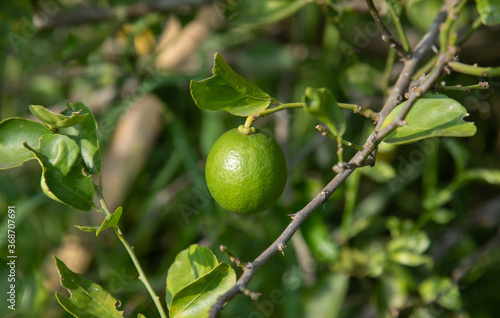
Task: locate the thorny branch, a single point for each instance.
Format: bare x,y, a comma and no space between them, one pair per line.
400,87
386,34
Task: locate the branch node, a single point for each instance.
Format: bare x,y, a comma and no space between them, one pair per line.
253,295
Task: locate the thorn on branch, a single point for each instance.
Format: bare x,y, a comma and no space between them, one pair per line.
281,248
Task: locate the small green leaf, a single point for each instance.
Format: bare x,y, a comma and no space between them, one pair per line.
62,176
254,13
489,11
227,90
195,299
85,134
320,103
110,220
87,299
430,116
15,131
189,265
54,120
85,228
442,291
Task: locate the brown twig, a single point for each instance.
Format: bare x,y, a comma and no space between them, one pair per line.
90,15
386,34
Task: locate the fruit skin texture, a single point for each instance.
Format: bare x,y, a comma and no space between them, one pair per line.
246,174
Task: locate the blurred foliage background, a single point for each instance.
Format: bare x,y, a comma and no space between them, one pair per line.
415,236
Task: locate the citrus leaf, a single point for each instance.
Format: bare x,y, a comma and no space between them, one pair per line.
227,90
195,299
254,13
87,299
85,134
189,265
54,120
62,177
13,132
110,220
489,11
430,116
86,228
320,103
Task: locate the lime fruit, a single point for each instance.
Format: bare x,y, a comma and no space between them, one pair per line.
246,173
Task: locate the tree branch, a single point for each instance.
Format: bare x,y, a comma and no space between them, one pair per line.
386,34
89,15
359,159
410,65
281,241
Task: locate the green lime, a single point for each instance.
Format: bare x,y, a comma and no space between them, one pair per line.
246,173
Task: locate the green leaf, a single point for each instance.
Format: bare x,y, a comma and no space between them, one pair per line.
110,220
195,299
15,131
62,176
489,11
189,265
87,299
320,103
54,120
85,134
227,90
442,291
85,228
430,116
408,248
326,298
254,13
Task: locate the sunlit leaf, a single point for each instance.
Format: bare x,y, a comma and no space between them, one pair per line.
189,265
227,90
87,299
110,220
430,116
54,120
62,176
195,299
15,131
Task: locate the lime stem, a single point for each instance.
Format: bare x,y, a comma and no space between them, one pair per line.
480,86
250,119
474,69
142,275
360,110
